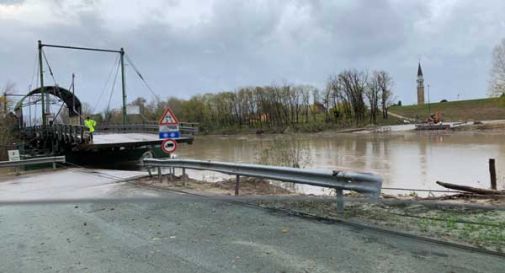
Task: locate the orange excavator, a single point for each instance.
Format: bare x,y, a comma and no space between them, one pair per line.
435,118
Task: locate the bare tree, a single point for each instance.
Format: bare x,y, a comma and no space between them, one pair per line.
7,121
5,102
372,93
353,84
497,79
385,84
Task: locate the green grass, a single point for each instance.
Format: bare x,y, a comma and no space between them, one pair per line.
480,109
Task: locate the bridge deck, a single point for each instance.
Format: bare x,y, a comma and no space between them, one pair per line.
118,138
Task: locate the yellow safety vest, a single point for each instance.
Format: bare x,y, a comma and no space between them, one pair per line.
90,124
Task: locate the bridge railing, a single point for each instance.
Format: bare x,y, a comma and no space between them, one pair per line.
190,128
186,128
75,134
128,128
338,180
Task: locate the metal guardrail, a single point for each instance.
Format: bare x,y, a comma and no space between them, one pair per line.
338,180
33,161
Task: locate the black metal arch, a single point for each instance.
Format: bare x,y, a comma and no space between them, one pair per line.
71,101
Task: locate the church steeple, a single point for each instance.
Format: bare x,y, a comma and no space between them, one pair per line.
420,85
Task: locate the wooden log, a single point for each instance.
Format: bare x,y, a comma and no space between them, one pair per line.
468,188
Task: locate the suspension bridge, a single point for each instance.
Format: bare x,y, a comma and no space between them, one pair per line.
61,131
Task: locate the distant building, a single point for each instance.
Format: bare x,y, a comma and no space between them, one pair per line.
420,85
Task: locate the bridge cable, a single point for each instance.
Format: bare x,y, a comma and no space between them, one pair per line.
112,88
156,96
114,65
52,76
34,73
49,67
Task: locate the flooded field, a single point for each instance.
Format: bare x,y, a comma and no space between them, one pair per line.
413,160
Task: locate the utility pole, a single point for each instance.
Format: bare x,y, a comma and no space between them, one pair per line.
42,85
72,86
121,52
429,106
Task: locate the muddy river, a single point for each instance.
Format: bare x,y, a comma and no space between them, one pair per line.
412,160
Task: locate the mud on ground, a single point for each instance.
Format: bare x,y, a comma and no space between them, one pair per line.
248,186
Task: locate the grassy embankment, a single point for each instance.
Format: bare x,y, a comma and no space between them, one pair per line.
315,125
463,110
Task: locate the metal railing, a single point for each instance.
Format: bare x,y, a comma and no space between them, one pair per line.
190,128
75,134
186,128
33,161
338,180
70,133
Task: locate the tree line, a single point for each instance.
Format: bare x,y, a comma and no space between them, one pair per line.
351,97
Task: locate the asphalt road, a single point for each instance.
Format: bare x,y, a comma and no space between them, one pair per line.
191,234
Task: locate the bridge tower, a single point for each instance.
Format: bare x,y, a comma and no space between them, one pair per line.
420,85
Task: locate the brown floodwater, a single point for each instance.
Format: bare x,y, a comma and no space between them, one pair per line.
413,160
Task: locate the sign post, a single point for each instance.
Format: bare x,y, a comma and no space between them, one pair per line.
169,125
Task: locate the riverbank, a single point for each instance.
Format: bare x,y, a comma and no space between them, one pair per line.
394,124
454,219
315,126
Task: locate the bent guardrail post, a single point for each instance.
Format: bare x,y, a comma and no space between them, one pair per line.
339,180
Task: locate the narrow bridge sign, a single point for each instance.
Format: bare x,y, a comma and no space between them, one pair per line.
169,125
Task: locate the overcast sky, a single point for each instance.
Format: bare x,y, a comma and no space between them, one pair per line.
187,47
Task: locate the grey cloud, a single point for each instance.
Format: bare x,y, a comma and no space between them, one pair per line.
259,42
11,2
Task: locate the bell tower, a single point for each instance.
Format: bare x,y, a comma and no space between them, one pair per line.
420,85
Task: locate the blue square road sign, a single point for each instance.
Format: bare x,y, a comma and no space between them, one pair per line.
174,135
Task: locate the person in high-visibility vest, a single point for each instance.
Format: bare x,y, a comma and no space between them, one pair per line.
91,126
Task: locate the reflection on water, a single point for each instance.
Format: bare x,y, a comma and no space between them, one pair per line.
404,160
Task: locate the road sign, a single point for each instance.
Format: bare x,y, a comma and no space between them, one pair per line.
133,110
169,128
169,135
168,145
168,118
169,125
13,155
